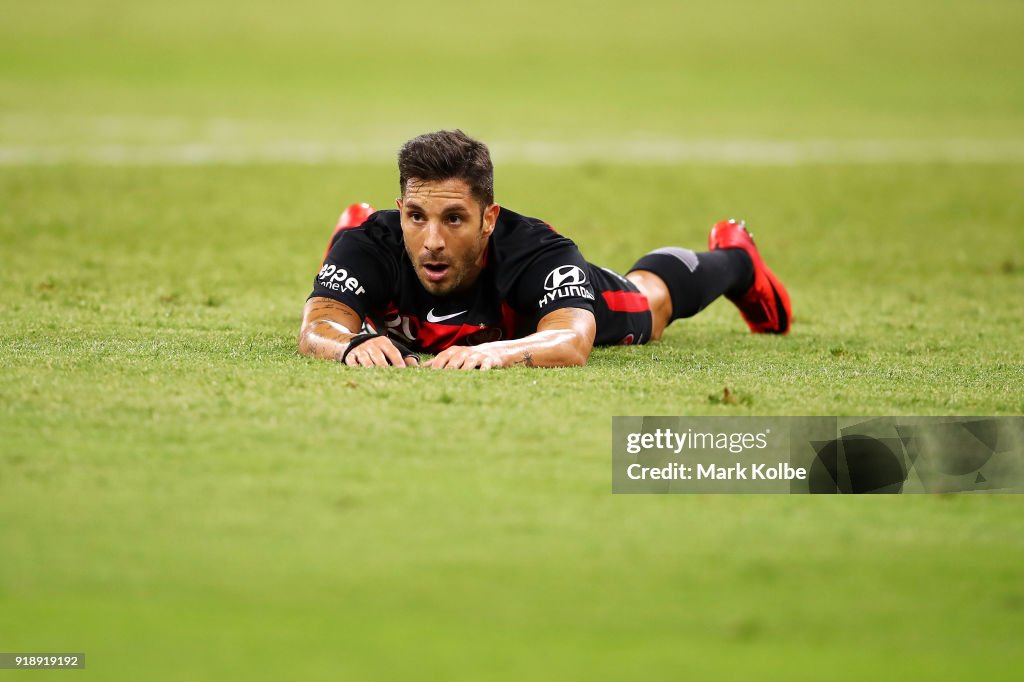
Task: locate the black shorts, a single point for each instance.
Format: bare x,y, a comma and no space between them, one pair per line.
623,313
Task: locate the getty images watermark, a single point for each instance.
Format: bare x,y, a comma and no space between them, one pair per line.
817,454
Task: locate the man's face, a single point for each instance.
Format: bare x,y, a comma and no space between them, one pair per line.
445,231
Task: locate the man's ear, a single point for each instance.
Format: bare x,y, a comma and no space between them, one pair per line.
490,219
398,203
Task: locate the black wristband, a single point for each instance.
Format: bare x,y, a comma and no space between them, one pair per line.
363,338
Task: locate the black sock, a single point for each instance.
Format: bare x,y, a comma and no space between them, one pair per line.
696,279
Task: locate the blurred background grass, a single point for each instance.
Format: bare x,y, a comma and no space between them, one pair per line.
328,71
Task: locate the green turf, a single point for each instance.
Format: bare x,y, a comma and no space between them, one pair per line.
323,69
180,490
183,497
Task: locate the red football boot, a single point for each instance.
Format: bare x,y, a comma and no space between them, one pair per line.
353,216
765,306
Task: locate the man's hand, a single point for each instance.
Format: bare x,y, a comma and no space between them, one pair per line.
378,352
563,338
466,357
327,332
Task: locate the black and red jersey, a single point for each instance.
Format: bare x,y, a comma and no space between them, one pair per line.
529,271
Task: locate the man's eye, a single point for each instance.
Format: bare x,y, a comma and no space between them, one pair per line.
455,219
417,217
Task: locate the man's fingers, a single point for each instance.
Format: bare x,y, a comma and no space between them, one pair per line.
486,362
471,361
357,358
379,353
391,353
380,357
440,360
370,357
463,358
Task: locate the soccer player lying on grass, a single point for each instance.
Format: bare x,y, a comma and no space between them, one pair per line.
452,273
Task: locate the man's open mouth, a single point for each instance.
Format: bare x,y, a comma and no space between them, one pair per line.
435,271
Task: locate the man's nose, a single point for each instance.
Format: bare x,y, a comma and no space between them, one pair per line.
434,240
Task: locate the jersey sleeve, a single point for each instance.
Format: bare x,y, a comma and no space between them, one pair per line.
550,276
357,272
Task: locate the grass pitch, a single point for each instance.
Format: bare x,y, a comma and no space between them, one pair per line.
182,496
181,492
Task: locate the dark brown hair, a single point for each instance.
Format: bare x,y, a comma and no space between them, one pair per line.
448,154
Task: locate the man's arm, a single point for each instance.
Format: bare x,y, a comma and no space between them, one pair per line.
564,338
327,328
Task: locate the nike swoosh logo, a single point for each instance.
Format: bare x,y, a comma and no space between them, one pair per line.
441,318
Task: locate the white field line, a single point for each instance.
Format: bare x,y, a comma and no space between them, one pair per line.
615,151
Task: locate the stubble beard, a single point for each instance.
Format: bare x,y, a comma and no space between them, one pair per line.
456,280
